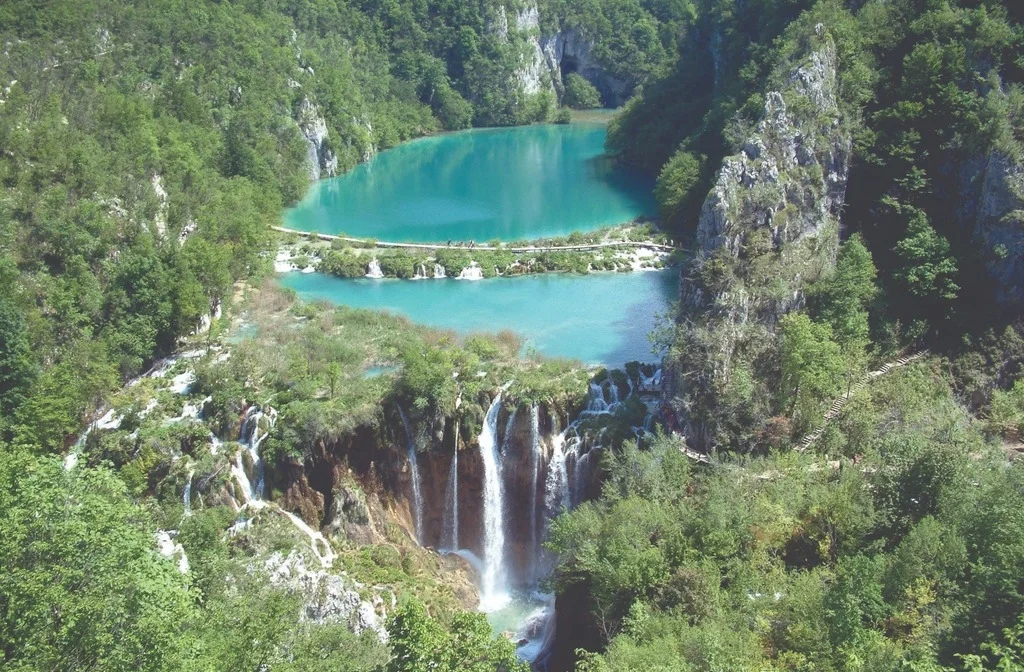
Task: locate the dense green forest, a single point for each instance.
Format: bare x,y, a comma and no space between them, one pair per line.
146,148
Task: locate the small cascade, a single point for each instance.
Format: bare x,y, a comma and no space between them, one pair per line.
439,272
450,529
250,438
186,497
535,462
373,270
493,594
472,272
421,272
414,468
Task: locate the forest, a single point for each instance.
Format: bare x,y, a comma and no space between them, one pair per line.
147,147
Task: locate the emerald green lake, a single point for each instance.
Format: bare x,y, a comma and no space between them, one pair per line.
602,318
480,185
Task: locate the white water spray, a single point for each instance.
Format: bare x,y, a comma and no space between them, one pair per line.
373,270
493,592
472,272
186,497
535,460
450,533
414,468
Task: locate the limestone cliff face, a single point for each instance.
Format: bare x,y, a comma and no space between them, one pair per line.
769,224
550,55
992,193
320,159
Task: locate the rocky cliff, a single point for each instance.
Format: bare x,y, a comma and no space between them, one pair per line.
992,191
551,55
320,159
768,226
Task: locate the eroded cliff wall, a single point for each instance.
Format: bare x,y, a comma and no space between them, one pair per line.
768,226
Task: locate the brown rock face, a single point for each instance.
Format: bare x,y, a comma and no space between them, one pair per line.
360,484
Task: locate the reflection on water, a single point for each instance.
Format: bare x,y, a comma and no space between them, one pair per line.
508,184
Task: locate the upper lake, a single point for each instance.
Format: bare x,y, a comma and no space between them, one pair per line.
480,185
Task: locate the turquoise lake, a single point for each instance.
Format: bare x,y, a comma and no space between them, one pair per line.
602,318
480,185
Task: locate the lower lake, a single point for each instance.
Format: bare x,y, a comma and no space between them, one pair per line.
601,318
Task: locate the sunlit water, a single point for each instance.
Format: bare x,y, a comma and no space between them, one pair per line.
601,318
508,184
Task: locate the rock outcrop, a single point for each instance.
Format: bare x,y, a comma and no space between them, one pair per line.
328,597
992,193
548,56
768,226
320,159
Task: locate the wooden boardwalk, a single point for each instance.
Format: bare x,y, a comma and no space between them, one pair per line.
485,248
840,403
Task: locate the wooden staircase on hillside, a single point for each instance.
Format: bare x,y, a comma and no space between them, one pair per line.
837,406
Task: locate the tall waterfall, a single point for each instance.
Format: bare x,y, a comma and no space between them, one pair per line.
535,460
493,592
414,467
450,528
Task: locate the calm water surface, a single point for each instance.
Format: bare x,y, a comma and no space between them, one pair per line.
602,318
508,184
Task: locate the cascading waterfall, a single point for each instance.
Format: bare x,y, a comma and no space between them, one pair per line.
186,497
250,438
373,270
439,272
493,592
414,468
472,272
450,531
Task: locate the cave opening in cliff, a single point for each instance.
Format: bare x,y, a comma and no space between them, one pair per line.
568,65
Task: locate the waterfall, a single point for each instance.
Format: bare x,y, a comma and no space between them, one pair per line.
421,272
250,438
509,427
556,487
472,272
535,460
493,594
373,270
450,531
414,468
438,272
186,497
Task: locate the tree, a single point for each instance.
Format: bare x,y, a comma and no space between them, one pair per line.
579,93
678,187
17,369
927,268
419,642
812,366
82,587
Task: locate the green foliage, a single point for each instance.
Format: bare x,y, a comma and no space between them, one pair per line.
678,188
812,367
418,642
901,559
928,269
1006,411
82,587
579,93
